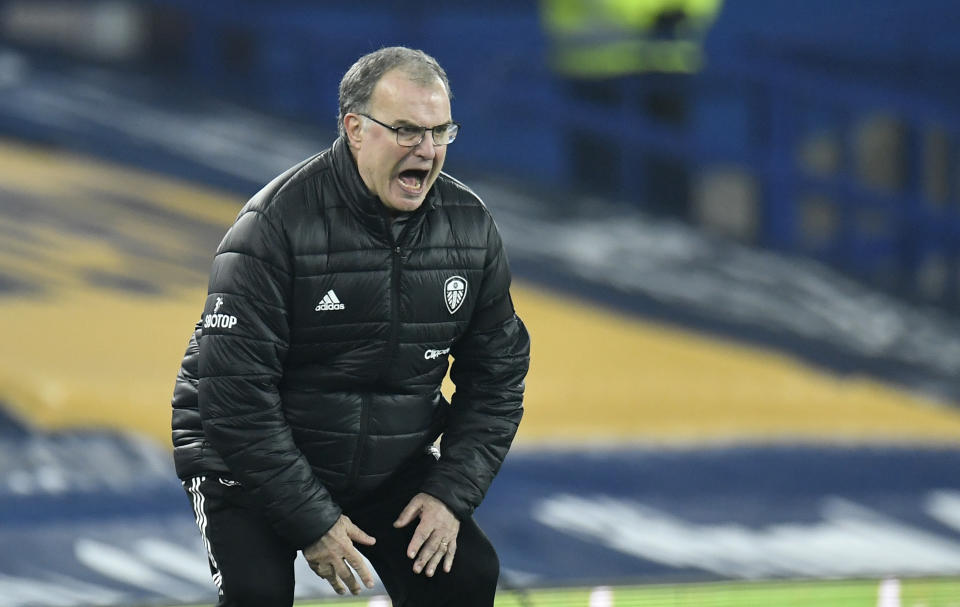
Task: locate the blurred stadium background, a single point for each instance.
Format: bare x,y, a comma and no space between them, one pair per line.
734,228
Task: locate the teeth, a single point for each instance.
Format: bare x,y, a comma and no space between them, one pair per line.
412,181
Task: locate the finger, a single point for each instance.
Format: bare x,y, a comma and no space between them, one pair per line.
345,573
448,557
408,513
418,540
360,567
429,550
334,582
357,534
435,560
330,575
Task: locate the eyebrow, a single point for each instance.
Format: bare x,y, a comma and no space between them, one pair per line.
400,122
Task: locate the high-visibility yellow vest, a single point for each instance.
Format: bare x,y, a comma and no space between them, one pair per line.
604,38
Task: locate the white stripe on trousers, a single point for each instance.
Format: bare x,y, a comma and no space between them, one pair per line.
198,501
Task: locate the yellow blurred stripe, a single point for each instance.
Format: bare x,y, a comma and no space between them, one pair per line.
63,176
598,375
88,358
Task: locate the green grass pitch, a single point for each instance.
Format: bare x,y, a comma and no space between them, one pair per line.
936,592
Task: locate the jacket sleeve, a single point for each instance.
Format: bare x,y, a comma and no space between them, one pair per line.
490,363
242,350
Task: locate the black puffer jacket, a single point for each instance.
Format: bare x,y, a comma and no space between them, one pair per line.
324,340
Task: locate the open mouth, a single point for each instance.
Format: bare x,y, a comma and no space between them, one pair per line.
412,180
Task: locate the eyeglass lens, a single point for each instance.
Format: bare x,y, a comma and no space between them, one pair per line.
442,135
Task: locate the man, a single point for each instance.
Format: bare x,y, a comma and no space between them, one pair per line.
308,401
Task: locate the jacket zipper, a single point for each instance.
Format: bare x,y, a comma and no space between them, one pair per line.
395,303
392,347
361,436
397,259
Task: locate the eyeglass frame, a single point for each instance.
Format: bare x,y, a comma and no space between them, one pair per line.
423,131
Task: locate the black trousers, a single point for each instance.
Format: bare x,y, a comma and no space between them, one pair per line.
252,566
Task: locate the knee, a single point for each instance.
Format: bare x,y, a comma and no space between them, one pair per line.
484,571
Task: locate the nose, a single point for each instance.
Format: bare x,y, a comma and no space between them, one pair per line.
426,148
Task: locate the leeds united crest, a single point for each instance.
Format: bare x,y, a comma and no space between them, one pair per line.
454,292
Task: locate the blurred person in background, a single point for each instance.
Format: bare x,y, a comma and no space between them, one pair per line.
628,57
308,402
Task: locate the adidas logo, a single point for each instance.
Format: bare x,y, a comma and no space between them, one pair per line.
330,301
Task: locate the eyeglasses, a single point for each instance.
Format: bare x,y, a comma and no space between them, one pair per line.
412,136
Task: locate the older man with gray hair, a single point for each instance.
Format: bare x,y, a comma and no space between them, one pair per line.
308,421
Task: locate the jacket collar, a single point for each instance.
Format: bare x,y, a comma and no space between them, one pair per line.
358,198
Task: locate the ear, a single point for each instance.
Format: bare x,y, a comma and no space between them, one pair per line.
353,126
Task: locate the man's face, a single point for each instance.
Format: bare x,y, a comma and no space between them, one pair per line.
399,176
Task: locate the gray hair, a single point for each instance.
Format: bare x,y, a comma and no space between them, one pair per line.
358,83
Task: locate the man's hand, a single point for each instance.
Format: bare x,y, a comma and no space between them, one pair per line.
333,556
435,538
